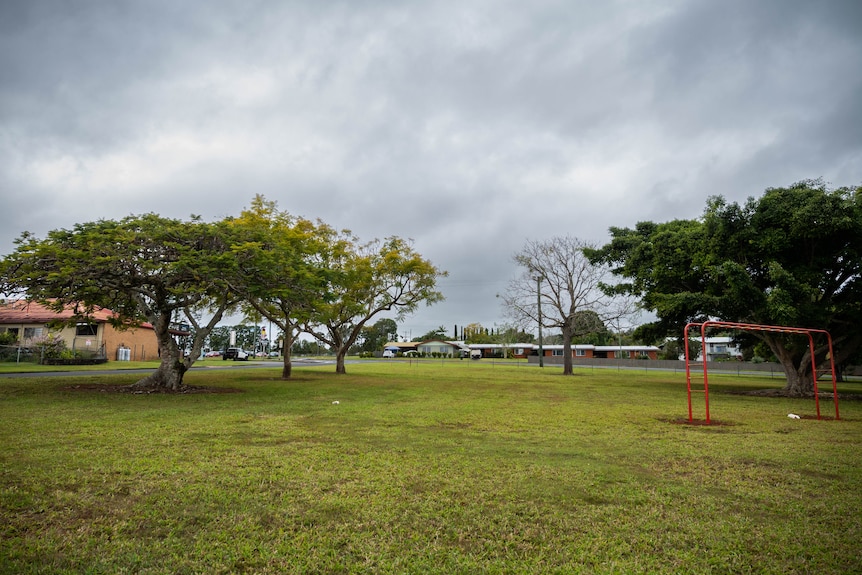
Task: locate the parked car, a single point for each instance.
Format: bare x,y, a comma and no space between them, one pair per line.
388,353
235,353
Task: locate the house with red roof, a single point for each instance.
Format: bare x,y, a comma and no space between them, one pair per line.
32,323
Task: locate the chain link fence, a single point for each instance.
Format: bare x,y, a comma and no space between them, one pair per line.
51,355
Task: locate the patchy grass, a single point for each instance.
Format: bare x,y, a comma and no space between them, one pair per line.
424,467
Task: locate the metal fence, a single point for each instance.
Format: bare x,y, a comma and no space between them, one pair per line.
37,354
737,367
19,354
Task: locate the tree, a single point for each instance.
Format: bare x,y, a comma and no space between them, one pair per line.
570,285
366,280
439,333
144,268
792,257
280,272
374,337
219,338
475,333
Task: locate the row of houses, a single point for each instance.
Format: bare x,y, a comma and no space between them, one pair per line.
521,350
717,348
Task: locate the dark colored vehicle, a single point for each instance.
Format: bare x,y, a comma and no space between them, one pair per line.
235,353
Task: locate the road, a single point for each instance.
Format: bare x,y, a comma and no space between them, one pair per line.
146,370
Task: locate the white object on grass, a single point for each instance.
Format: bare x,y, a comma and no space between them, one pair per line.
335,403
793,416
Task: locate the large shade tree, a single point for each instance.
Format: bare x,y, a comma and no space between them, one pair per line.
792,257
556,273
366,280
144,268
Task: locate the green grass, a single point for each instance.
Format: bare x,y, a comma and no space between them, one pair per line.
434,467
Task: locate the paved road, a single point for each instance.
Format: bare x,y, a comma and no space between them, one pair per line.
146,370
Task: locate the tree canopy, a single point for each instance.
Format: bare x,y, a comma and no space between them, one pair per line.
299,274
280,274
366,280
144,268
791,257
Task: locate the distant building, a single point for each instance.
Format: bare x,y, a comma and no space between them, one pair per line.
586,351
721,347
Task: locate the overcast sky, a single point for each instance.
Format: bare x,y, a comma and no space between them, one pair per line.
468,126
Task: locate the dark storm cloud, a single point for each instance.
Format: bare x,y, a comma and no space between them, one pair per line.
467,126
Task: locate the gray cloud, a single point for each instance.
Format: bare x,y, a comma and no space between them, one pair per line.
467,126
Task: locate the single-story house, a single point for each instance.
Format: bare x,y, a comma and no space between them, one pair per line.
604,351
721,347
443,348
32,322
516,350
402,346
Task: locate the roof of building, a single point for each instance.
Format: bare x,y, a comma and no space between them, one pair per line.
23,311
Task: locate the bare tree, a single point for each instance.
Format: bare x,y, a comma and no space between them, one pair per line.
556,273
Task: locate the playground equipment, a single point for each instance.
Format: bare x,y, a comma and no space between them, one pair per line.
757,327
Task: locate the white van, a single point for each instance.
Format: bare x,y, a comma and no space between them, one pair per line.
388,353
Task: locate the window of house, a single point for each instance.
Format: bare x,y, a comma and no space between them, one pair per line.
580,352
32,332
86,329
620,354
558,352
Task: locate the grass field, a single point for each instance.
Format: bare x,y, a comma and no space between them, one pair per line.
459,467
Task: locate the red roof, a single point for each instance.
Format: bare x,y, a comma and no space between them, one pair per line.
23,311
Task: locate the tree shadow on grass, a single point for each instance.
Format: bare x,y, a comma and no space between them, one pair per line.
123,388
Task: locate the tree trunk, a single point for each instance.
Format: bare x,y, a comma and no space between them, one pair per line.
797,370
339,360
287,348
287,367
169,375
567,352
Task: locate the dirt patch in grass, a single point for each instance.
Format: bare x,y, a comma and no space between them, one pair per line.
117,388
711,422
783,394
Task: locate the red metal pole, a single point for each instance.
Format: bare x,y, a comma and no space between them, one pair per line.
688,371
705,368
814,373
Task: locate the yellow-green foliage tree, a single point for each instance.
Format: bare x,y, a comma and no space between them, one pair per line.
366,280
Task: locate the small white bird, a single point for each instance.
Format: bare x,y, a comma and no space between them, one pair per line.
793,416
335,402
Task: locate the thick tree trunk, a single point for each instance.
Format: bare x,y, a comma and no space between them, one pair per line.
172,369
168,377
798,384
797,371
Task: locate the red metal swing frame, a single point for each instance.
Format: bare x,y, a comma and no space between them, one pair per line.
756,327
